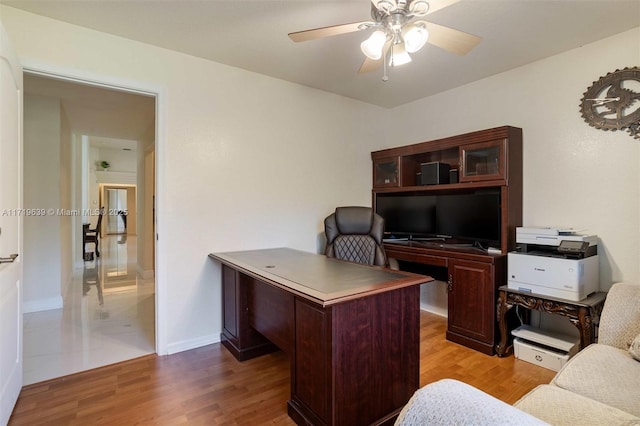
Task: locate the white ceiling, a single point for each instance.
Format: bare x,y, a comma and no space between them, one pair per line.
253,35
116,119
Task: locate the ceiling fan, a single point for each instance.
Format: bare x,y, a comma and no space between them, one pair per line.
398,31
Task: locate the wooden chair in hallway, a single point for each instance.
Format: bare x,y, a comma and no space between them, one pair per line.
92,235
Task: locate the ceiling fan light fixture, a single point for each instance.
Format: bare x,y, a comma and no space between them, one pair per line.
386,6
415,37
372,47
419,7
399,55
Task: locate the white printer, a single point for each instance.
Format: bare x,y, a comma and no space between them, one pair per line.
555,262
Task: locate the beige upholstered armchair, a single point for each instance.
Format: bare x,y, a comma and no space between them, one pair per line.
600,385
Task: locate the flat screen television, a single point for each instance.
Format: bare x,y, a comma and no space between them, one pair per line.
472,216
407,215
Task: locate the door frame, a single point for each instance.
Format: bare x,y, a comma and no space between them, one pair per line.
148,89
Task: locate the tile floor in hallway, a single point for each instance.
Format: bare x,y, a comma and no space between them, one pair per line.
108,317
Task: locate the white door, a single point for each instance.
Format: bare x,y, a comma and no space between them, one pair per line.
10,228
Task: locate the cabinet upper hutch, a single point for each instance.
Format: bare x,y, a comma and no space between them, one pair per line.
487,160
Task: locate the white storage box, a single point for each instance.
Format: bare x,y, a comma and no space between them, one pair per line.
539,355
545,348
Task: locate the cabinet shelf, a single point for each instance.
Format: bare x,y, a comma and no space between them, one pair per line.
484,159
487,159
446,187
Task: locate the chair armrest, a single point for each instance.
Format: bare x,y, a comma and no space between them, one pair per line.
620,319
451,402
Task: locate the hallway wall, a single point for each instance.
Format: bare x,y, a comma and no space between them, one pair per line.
46,191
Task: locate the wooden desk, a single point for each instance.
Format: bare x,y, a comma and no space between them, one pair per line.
582,313
352,332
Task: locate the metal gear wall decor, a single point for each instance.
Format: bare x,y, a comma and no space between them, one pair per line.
613,102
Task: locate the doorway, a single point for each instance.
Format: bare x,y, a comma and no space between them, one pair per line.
120,209
99,294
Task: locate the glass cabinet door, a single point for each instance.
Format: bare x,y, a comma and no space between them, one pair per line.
385,172
482,161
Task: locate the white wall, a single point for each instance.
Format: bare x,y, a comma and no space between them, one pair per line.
66,188
146,238
145,188
93,196
574,175
119,160
249,161
42,255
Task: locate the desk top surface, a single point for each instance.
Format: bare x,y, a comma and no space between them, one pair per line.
317,277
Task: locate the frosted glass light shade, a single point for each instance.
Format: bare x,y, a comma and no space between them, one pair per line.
414,37
399,56
372,47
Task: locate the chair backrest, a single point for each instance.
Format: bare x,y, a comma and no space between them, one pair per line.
620,318
99,223
355,234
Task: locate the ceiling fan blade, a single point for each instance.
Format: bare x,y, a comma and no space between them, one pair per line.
436,5
373,64
327,31
370,65
449,39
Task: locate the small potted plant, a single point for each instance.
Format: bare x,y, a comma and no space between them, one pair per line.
105,165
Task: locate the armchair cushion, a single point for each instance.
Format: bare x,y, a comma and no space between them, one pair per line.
562,407
451,402
603,373
620,319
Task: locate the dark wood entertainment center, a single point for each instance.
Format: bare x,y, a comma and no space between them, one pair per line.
487,159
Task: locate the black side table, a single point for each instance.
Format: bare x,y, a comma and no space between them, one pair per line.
583,314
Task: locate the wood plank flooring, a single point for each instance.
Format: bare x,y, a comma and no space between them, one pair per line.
207,386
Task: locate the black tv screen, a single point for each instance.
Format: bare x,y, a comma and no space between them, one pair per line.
407,215
471,216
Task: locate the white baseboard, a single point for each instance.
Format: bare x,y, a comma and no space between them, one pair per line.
186,345
434,310
149,274
42,305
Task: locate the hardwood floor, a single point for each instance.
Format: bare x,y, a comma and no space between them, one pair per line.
207,386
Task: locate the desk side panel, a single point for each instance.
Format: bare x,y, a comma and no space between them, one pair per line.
242,341
230,302
311,397
358,362
376,355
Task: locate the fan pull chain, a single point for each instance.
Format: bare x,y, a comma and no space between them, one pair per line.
385,77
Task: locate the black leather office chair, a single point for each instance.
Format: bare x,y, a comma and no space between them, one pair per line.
355,234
